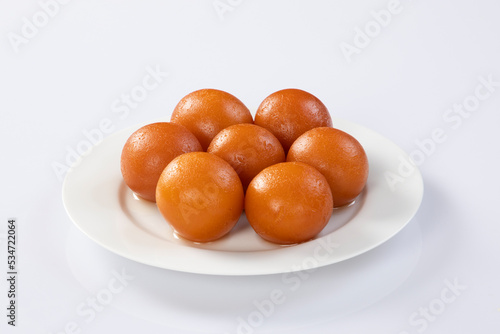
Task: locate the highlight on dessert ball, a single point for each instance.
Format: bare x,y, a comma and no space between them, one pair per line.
287,170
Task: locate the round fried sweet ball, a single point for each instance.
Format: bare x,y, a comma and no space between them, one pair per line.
248,148
338,156
289,113
200,195
149,150
288,203
206,112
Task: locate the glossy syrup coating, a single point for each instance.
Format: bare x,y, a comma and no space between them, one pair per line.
338,156
200,195
149,150
206,112
248,148
289,113
288,203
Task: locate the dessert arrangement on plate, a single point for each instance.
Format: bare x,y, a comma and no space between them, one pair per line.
287,169
213,190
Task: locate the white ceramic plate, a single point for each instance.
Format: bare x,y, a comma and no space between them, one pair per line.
102,207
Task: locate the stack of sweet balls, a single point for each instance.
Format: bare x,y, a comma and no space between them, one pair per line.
287,169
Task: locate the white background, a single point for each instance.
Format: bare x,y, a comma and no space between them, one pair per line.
64,79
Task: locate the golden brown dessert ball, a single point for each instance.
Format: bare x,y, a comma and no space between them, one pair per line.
289,113
338,156
248,149
200,195
206,112
149,150
288,203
